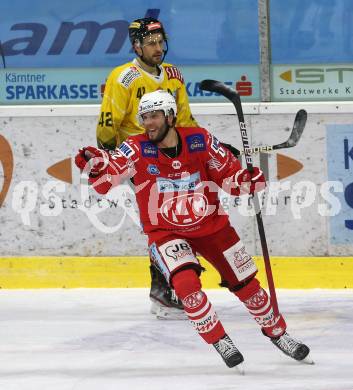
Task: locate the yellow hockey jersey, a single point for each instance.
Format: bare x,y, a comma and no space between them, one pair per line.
124,88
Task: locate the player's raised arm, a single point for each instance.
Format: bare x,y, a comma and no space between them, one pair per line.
105,170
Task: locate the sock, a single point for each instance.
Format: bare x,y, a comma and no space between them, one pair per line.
258,303
197,307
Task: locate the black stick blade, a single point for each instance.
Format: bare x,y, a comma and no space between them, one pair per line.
219,87
297,131
298,127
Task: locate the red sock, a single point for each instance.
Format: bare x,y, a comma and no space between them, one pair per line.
258,303
198,308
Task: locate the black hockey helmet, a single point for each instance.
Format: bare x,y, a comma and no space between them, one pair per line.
140,28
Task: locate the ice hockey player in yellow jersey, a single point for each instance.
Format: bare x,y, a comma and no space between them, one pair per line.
129,82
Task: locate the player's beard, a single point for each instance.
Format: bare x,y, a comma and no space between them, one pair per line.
152,63
162,134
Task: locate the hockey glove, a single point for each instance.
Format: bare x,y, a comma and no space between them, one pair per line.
92,160
249,183
102,174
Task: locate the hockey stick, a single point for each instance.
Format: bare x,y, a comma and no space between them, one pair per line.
297,131
217,86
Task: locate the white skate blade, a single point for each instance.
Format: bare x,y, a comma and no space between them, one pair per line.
308,360
154,308
240,369
169,313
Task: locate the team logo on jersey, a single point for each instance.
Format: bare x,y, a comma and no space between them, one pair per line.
188,183
213,163
196,142
127,76
149,149
176,164
153,169
185,210
126,150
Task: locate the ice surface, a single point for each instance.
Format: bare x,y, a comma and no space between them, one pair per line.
102,339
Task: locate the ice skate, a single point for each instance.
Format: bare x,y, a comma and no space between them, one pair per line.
293,348
229,353
165,304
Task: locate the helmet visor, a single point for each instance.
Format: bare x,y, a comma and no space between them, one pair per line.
154,40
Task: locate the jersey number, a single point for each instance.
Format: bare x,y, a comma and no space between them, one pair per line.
106,119
140,92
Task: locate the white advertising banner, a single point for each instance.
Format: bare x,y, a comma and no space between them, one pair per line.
312,82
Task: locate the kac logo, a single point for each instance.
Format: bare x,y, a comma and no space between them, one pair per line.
185,210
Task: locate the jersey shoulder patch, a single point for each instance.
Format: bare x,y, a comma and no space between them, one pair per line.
126,149
215,144
173,72
128,75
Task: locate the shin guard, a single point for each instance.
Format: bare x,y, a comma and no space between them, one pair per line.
257,301
197,307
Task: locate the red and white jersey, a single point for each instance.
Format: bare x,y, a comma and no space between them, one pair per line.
179,194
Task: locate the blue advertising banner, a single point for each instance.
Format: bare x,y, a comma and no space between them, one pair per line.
90,33
340,168
244,79
50,85
76,85
311,31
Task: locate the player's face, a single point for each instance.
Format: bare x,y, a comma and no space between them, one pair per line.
153,47
155,124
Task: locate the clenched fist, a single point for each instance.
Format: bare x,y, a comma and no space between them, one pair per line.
92,160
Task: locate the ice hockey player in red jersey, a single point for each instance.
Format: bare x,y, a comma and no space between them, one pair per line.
177,173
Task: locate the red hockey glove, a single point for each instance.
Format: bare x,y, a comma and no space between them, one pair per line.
103,182
102,174
94,161
249,183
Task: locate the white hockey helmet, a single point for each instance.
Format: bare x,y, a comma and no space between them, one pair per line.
154,101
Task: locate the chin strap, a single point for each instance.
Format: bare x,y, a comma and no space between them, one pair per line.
165,51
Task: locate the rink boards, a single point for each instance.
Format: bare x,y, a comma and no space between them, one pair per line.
46,211
133,272
55,232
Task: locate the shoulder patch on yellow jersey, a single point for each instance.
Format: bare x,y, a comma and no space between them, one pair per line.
128,75
173,73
